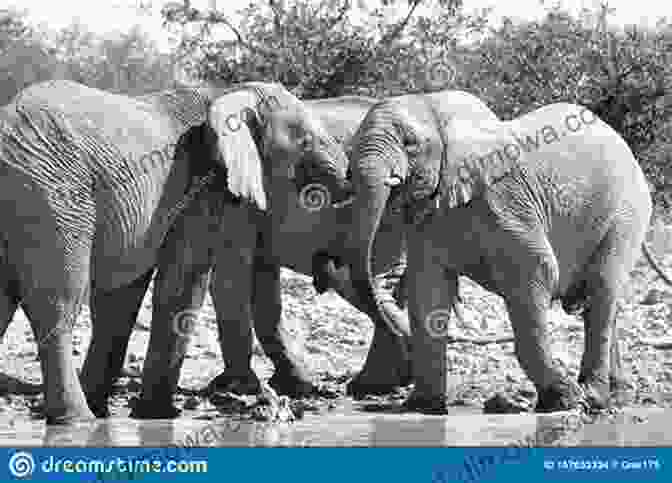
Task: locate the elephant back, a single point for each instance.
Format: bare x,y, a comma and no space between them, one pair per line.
186,107
131,124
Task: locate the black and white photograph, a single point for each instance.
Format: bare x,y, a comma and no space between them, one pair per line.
335,223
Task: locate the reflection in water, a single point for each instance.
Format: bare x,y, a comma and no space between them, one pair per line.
419,431
556,429
94,433
634,428
147,435
637,427
515,431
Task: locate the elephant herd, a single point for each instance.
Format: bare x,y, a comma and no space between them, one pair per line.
385,201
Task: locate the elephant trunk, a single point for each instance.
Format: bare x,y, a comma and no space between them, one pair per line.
368,208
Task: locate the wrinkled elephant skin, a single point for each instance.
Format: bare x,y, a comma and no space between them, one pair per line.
289,237
297,233
92,183
552,205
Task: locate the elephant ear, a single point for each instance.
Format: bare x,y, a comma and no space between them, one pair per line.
233,117
477,155
473,155
423,176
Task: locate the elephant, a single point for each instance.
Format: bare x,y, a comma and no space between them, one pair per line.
292,239
300,233
245,284
549,206
183,265
105,177
202,240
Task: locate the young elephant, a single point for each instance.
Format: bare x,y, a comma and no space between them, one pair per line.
552,205
92,182
245,284
234,241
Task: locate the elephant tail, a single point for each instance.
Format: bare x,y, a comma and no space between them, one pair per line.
655,264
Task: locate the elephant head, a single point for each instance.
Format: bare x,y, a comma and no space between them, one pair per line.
266,138
398,156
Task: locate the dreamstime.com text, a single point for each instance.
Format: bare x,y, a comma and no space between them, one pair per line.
22,464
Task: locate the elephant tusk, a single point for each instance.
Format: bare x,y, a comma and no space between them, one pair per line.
393,181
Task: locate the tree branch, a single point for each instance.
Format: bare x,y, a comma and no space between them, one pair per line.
401,25
341,15
277,14
214,17
183,13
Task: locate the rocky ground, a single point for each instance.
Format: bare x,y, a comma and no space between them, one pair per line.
336,338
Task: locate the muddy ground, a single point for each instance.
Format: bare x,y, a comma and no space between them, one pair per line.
336,337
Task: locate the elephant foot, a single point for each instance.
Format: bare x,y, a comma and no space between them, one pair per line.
247,383
99,408
294,382
562,395
597,391
387,368
621,391
426,404
143,409
619,384
369,384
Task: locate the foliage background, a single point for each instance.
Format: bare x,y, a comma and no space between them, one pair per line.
317,52
314,49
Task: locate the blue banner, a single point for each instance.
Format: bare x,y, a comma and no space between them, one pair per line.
431,465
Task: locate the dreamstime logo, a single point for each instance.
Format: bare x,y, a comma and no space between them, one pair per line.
314,197
186,325
185,322
437,323
440,73
437,72
21,464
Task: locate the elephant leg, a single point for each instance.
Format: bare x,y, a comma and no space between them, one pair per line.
113,315
292,376
619,383
432,291
231,291
533,274
52,317
52,262
601,366
529,317
180,287
595,373
618,379
386,368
